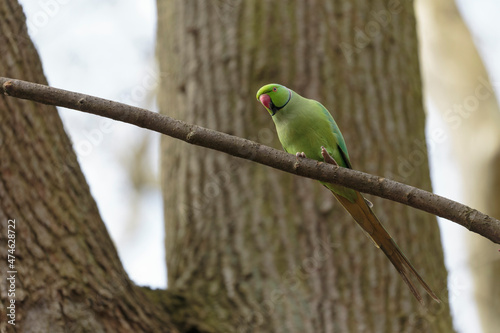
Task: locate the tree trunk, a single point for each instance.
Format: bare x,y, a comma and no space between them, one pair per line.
458,86
63,273
260,250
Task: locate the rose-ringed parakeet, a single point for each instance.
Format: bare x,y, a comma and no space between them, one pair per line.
306,128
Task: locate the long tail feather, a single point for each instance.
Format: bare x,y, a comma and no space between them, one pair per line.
364,216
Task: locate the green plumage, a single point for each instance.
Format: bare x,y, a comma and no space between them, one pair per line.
304,126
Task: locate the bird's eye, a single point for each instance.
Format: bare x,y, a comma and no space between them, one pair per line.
275,89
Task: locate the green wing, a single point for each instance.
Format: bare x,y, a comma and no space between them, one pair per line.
340,139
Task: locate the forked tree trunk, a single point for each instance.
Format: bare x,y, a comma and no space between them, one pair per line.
65,275
262,251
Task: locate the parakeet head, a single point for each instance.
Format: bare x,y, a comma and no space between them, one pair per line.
274,97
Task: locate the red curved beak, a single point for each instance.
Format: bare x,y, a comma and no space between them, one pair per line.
265,100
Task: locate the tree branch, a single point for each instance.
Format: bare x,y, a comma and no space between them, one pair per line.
470,218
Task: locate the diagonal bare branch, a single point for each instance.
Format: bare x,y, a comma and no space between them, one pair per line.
467,217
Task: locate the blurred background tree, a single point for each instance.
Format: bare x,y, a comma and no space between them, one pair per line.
457,86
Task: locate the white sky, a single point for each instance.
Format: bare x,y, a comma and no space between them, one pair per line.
106,48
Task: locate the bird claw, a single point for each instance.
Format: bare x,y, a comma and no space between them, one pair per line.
327,158
300,155
368,203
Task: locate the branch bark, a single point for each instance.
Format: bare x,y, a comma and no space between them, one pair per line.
467,217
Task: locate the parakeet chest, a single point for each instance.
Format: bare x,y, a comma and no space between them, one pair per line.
304,132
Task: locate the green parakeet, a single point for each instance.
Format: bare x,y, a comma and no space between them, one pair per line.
306,128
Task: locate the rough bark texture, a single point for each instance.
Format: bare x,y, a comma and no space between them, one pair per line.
458,86
69,277
260,250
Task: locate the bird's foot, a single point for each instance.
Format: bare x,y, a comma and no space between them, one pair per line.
300,155
327,158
